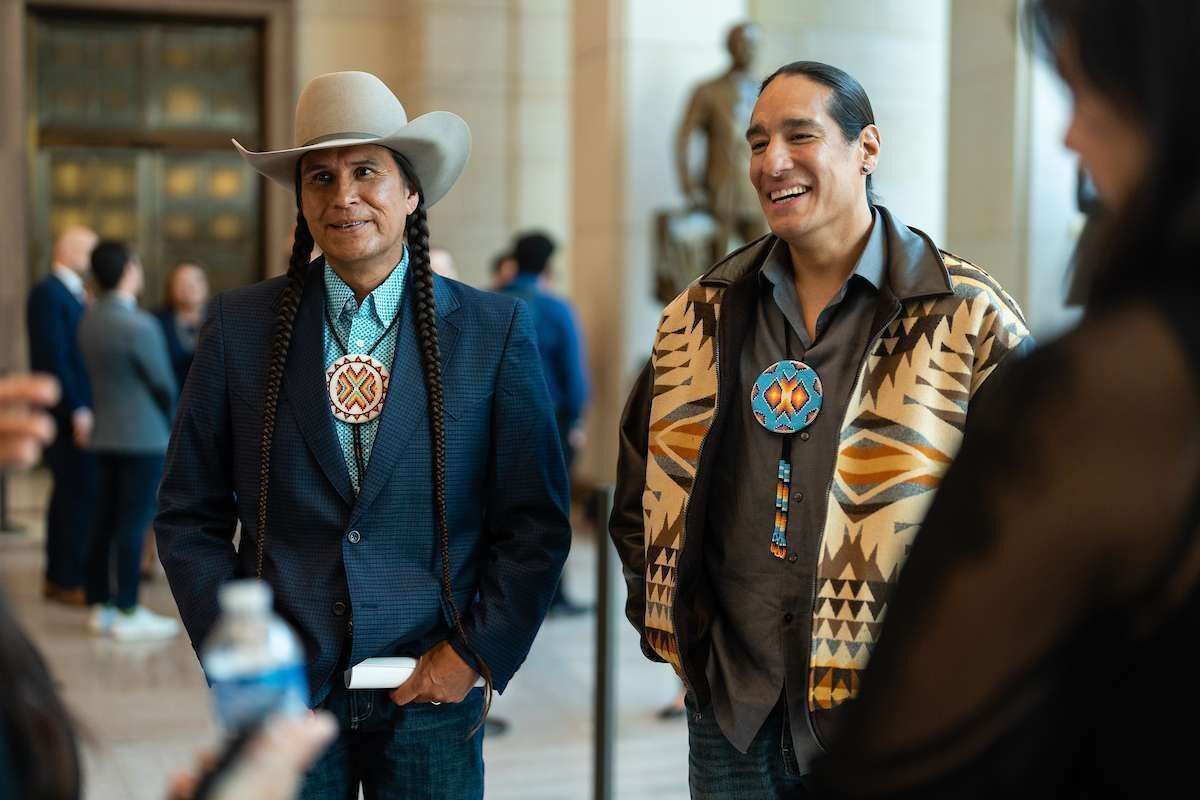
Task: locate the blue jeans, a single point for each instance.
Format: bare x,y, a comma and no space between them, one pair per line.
767,771
418,751
125,502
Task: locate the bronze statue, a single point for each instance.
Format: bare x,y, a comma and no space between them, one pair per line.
720,109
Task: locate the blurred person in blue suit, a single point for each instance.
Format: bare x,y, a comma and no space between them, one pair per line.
52,315
560,345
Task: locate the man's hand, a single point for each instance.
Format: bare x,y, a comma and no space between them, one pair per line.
25,428
441,676
82,422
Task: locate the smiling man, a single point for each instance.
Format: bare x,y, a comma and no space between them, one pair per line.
802,401
386,440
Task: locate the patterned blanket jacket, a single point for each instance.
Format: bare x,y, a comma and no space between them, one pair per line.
944,327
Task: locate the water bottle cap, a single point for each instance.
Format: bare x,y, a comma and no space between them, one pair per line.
244,595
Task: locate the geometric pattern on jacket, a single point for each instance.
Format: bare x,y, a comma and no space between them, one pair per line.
903,426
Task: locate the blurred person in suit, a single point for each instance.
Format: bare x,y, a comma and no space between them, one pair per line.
560,345
134,388
52,315
386,440
182,314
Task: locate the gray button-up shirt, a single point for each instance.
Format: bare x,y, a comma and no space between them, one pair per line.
761,631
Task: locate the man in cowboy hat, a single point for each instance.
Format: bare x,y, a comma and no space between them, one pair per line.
386,440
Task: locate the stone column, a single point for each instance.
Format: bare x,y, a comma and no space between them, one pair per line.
14,162
635,65
1011,182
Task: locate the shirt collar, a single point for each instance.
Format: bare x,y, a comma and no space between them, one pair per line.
119,299
382,303
871,266
70,279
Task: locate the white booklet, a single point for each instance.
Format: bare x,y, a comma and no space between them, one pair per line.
386,672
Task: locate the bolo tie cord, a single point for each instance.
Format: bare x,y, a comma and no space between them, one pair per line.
359,459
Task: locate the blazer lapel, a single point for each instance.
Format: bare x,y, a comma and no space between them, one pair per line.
406,409
304,379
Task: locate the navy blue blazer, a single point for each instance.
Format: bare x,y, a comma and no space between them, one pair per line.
506,494
52,316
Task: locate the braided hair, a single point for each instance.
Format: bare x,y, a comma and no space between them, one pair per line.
416,232
286,307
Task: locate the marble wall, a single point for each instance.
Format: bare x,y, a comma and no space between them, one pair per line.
1010,194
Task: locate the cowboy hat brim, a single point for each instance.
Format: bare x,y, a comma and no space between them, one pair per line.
437,145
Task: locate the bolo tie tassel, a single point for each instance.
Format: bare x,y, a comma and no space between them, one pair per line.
783,490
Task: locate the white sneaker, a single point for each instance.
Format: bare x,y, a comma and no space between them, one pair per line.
101,620
142,624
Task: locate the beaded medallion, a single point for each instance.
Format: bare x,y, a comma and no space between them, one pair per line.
785,399
357,386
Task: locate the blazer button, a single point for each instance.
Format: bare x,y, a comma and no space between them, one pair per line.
354,537
339,609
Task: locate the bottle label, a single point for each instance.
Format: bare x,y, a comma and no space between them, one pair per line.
245,700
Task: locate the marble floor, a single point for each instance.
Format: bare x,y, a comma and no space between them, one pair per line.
143,708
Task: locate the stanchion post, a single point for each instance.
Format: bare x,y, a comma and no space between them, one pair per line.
609,604
6,525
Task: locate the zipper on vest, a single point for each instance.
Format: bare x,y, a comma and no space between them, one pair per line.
812,608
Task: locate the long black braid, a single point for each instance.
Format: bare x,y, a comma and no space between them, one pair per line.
417,233
285,320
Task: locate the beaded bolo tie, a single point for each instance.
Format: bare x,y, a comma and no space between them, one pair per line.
786,399
357,385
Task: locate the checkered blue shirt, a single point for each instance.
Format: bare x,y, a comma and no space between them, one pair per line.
359,326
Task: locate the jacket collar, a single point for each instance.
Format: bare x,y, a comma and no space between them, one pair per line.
914,264
405,409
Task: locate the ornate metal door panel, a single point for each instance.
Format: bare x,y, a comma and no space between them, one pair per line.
133,121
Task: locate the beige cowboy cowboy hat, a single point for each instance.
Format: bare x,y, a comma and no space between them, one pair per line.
342,109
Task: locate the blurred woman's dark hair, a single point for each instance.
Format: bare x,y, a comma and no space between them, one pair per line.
41,759
1145,67
168,296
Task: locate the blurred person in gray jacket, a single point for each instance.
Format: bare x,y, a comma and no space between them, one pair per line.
133,386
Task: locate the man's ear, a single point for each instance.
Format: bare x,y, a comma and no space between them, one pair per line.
871,143
411,202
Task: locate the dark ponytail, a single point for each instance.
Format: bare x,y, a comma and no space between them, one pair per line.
417,232
285,320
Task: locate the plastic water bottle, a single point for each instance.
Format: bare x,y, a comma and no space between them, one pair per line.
253,659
